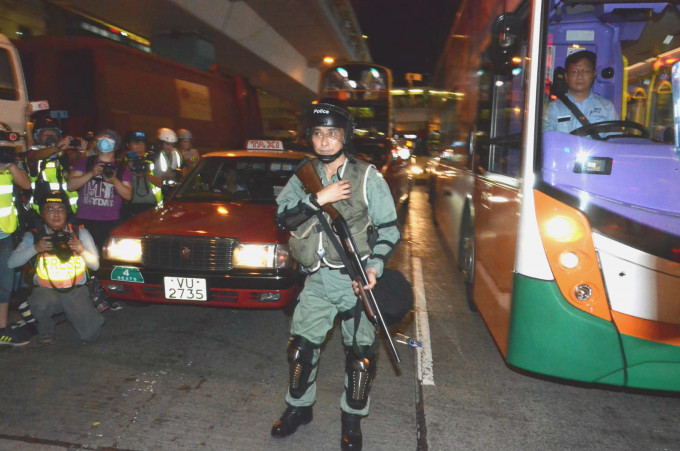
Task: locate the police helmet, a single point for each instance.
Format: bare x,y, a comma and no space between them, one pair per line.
167,135
328,115
45,123
183,133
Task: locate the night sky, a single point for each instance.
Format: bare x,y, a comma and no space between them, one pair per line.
406,35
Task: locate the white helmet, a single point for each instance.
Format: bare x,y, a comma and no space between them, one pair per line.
167,135
183,133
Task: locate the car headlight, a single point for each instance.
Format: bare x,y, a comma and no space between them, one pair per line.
248,255
124,249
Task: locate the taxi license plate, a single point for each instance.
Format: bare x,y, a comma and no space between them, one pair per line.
185,289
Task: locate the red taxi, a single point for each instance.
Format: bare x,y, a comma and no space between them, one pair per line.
214,241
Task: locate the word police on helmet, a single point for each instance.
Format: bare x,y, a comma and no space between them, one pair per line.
167,135
328,115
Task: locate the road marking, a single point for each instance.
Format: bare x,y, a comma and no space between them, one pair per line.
424,353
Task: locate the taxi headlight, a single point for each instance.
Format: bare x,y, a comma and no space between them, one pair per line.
248,255
124,249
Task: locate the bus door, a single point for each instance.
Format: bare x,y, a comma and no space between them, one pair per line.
496,217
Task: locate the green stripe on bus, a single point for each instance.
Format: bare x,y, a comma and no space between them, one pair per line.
549,336
652,365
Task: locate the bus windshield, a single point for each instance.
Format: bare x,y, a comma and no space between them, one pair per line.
607,139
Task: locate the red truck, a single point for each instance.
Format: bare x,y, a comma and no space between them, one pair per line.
102,84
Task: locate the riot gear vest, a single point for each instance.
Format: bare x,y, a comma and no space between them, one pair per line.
308,242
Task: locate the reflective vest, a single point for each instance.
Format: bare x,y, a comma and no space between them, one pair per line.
169,162
157,193
50,174
50,272
8,212
308,242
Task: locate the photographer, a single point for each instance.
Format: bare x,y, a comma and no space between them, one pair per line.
146,191
168,160
10,175
103,184
49,158
64,254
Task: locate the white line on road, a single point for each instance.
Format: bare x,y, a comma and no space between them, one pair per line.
424,353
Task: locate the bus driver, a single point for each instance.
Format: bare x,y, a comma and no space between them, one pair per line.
580,76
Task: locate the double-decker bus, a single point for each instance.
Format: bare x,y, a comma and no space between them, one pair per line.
365,90
569,243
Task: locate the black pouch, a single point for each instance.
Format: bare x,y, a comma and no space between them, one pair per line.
394,295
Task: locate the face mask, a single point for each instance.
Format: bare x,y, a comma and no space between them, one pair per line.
50,141
105,145
132,155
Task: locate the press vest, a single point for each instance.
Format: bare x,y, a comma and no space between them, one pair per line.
53,273
308,242
8,213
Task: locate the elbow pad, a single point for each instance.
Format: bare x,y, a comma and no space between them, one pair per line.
291,219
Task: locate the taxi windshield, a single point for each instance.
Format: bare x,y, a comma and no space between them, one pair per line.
237,179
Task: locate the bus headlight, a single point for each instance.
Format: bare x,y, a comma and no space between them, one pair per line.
124,249
563,229
248,255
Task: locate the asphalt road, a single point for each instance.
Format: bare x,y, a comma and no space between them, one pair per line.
194,378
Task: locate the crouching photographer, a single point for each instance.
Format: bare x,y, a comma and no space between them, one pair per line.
62,255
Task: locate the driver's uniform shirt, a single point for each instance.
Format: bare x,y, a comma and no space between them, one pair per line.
596,109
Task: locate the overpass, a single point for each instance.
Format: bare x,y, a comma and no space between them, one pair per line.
278,45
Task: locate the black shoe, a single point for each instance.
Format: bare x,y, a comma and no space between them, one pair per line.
290,420
11,337
351,432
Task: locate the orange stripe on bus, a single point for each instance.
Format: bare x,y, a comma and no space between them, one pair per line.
647,329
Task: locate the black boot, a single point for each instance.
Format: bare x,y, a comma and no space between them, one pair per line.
290,420
351,432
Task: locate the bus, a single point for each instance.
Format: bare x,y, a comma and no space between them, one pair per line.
568,243
365,90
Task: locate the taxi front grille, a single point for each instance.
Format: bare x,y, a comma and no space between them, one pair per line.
181,252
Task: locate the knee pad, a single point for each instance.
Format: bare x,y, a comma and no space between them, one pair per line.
300,358
360,371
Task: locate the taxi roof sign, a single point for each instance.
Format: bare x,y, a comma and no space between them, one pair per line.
264,144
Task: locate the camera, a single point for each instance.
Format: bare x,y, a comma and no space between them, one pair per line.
139,166
8,154
74,143
60,246
108,170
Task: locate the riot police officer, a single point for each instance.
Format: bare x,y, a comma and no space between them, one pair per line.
361,195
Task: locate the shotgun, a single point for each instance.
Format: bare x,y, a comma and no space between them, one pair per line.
312,183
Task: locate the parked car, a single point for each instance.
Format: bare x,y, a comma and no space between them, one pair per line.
214,240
